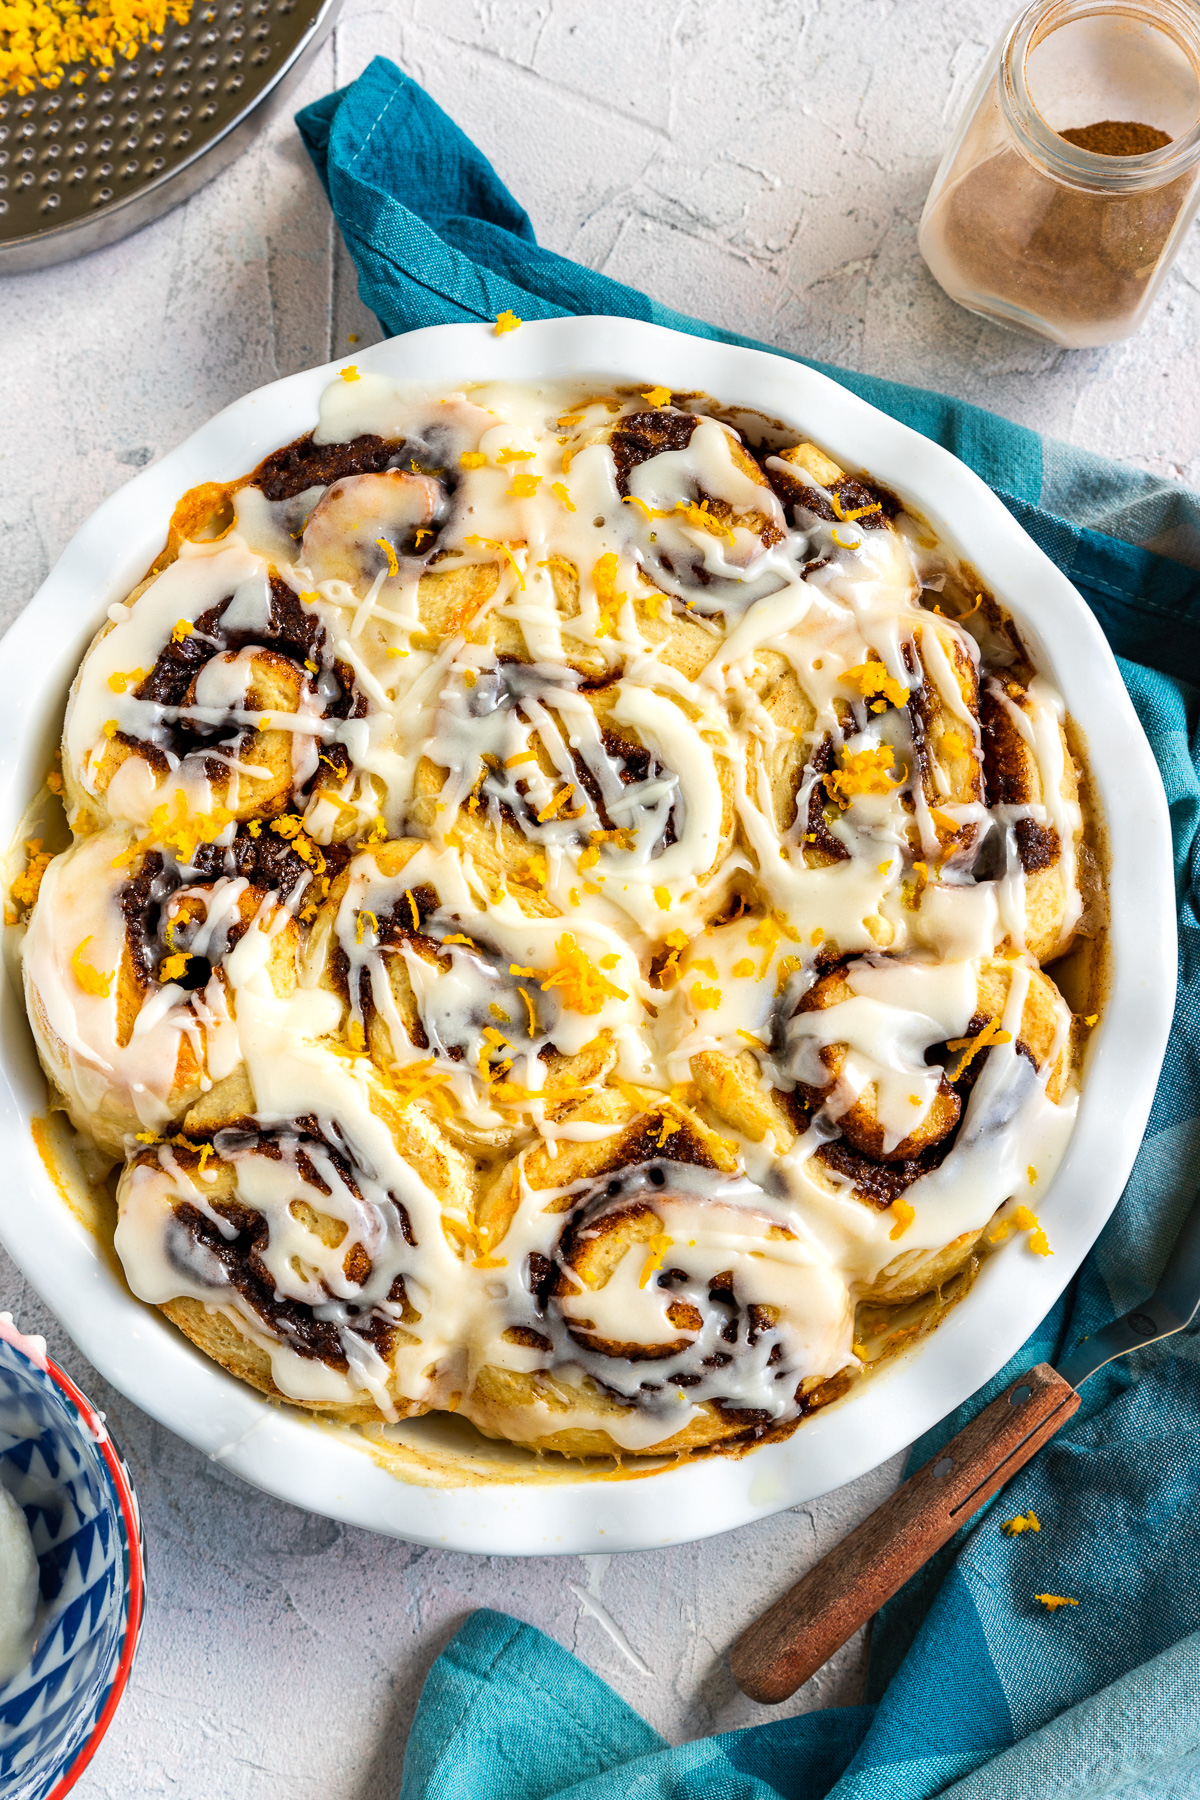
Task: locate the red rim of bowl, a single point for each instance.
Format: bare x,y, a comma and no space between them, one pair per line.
131,1520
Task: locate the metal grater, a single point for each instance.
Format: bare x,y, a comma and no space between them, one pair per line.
84,166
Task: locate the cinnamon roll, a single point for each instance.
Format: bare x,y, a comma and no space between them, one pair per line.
135,1020
556,921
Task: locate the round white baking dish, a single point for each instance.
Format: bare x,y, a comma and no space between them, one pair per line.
285,1453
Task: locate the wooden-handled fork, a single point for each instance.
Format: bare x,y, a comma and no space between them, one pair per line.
801,1631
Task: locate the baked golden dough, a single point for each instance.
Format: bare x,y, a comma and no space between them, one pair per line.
555,919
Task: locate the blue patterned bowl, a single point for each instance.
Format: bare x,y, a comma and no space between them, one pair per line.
59,1462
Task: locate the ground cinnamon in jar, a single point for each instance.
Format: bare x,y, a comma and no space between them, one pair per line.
1067,229
1116,137
1070,256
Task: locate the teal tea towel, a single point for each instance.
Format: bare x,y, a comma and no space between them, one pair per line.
975,1690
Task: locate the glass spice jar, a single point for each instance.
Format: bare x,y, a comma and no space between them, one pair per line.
1075,171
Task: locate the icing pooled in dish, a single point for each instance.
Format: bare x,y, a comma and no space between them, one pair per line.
556,915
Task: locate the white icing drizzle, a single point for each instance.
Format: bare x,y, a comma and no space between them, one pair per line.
627,747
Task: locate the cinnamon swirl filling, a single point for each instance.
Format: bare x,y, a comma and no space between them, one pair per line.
557,919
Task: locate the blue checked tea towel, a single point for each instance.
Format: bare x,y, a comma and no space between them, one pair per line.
974,1691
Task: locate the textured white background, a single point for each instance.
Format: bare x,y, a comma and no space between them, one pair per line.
761,163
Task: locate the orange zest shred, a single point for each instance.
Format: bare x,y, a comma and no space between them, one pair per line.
174,828
700,519
1022,1219
172,967
24,890
604,580
552,807
472,459
389,552
39,41
657,1248
90,979
992,1033
1023,1522
504,550
420,1081
788,966
657,396
559,490
904,1214
506,321
873,678
705,999
582,986
856,512
523,486
350,372
1053,1601
863,772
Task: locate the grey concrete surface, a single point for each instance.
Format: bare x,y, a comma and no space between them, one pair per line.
763,165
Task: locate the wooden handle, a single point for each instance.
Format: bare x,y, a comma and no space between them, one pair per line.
802,1630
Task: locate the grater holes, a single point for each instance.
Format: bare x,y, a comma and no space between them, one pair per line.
97,141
